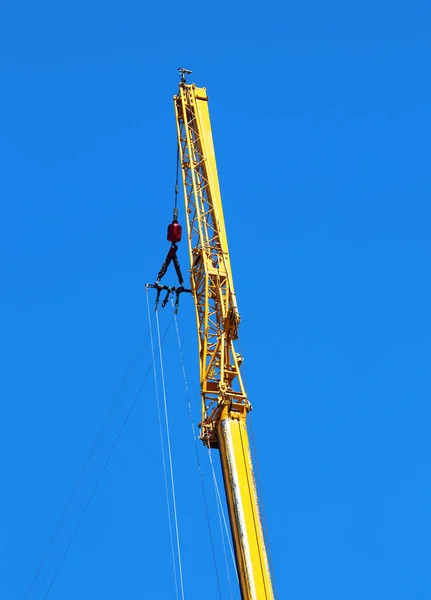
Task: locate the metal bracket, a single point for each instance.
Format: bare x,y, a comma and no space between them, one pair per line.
183,74
169,289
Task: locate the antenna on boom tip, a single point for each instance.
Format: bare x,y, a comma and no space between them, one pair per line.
183,74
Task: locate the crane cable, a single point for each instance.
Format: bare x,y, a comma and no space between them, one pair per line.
177,177
170,456
162,446
259,488
78,481
171,470
195,439
221,508
85,467
219,513
93,491
263,511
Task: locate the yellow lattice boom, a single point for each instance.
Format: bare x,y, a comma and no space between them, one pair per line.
224,400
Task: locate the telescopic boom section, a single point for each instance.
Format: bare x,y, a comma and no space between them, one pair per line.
224,401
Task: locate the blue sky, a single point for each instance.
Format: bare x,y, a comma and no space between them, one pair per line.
322,124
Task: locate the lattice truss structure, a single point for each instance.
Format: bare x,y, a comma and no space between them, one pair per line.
211,277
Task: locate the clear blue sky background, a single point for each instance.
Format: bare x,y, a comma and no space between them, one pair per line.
321,117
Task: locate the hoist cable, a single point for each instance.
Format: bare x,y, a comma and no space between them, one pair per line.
170,456
222,512
259,485
180,349
177,176
162,449
78,481
224,549
123,425
220,508
260,493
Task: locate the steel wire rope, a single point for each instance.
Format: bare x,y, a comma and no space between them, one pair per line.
250,486
177,176
162,444
220,504
97,455
219,501
174,502
259,485
263,511
192,422
123,425
224,548
78,481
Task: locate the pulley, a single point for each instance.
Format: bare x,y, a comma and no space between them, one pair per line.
174,229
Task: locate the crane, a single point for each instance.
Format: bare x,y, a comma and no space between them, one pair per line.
225,404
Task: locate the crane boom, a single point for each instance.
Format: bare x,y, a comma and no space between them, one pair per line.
224,400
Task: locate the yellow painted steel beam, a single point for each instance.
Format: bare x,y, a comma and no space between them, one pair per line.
250,551
224,400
